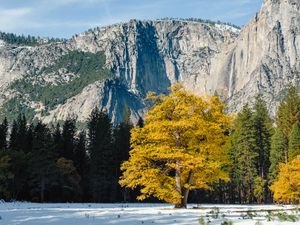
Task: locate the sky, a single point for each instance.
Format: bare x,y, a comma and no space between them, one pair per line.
64,18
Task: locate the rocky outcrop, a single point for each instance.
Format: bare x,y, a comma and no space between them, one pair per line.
262,58
265,57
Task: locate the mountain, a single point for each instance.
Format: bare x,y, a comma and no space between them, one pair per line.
114,67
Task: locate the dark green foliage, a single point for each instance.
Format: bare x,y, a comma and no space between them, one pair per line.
6,175
32,166
249,151
14,39
121,150
263,127
294,142
278,153
3,134
101,156
68,139
19,167
288,112
285,142
57,140
68,180
18,137
42,163
81,162
15,106
244,153
89,67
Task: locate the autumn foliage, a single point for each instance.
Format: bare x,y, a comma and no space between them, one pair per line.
287,187
179,149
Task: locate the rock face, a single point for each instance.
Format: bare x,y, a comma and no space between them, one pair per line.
262,58
265,57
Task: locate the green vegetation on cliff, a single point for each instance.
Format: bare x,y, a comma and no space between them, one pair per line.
88,68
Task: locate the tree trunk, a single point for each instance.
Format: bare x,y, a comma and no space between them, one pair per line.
183,191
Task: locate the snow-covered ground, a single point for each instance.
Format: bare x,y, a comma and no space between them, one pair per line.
131,214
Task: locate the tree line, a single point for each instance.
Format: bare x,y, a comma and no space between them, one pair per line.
180,142
257,148
62,164
187,145
29,40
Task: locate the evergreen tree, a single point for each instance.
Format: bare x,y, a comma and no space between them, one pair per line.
3,134
69,180
17,147
263,127
279,145
18,137
28,139
122,147
80,154
57,141
19,167
244,154
288,112
294,142
43,168
6,176
101,156
264,130
22,132
287,115
13,141
81,163
68,138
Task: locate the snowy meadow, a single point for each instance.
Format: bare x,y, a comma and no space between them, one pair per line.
130,214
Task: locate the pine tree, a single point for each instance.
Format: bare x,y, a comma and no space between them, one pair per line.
294,142
263,127
57,141
18,136
287,115
68,138
22,132
101,156
81,162
28,139
244,155
6,175
288,112
279,145
13,141
3,134
122,147
69,180
42,164
80,154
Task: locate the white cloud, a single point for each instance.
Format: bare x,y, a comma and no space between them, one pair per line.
13,18
14,13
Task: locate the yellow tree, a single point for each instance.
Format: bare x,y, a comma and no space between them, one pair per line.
287,187
179,149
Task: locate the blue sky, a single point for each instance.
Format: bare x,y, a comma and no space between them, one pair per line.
63,18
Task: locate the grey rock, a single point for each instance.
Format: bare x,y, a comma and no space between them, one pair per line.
262,58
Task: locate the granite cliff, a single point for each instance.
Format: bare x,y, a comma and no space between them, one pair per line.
52,81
